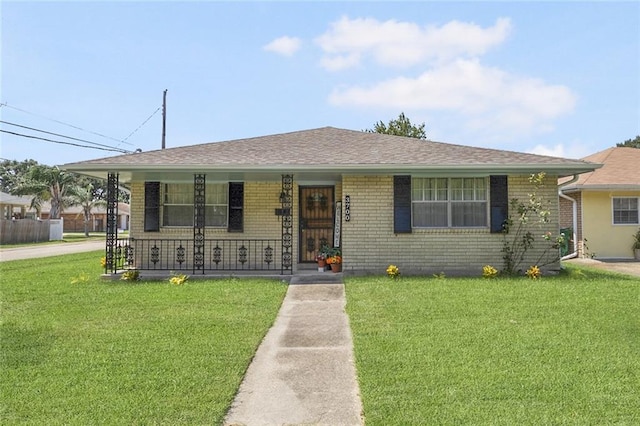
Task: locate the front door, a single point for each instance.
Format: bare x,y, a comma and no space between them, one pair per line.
316,220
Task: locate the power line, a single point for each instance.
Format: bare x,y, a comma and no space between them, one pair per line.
66,143
66,124
56,134
145,122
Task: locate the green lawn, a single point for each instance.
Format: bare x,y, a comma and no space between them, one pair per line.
100,352
78,350
562,350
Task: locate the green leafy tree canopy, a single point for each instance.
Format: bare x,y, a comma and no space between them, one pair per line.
47,183
85,197
12,172
630,143
14,176
401,126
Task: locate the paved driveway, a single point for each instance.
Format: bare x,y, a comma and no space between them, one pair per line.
46,250
628,267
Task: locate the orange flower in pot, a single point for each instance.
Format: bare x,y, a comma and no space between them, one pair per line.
335,261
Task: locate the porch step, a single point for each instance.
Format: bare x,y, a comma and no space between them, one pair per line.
316,278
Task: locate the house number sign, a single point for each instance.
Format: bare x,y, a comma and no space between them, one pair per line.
347,208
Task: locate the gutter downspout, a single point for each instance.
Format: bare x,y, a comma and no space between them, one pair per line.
574,204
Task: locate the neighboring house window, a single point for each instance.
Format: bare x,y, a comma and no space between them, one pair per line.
449,202
625,211
178,204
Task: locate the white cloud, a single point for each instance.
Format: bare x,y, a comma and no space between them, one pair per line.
402,44
338,62
554,151
486,97
285,46
572,149
487,102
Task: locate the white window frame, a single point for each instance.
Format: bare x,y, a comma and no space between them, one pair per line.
613,211
221,189
476,193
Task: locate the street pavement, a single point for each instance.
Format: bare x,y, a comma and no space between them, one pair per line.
47,250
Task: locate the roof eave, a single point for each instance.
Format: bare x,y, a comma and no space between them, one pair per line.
559,169
604,187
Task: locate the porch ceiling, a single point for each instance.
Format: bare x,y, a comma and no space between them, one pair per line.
127,176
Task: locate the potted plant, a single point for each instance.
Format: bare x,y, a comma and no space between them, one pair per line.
335,260
322,256
636,245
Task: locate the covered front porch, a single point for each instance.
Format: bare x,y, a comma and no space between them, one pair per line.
303,220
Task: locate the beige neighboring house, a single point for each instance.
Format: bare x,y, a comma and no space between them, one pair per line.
603,205
270,203
74,217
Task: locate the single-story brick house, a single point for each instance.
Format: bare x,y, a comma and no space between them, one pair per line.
602,206
269,203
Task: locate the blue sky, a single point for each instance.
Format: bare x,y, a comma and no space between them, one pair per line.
556,78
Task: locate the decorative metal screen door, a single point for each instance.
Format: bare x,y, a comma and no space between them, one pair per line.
316,220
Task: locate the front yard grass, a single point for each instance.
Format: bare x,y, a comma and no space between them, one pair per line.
563,350
79,350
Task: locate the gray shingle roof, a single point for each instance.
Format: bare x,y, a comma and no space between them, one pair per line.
328,147
621,169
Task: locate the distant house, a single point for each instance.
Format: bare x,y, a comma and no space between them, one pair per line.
74,217
270,203
18,224
13,206
606,202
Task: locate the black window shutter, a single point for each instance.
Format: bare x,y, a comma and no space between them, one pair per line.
499,193
236,204
151,206
402,204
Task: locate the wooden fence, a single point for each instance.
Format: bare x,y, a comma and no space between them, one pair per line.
24,231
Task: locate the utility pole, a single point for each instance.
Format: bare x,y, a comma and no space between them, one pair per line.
164,117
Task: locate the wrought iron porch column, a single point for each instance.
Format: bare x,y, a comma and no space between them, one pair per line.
112,222
287,223
199,200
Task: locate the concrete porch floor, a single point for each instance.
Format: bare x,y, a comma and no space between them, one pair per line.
304,274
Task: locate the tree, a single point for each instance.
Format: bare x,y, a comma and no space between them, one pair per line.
47,183
630,143
12,172
85,198
99,188
400,127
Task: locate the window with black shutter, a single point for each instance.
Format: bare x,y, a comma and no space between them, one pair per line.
152,206
499,193
236,205
402,204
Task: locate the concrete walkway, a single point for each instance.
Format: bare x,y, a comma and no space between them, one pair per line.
628,266
46,250
303,372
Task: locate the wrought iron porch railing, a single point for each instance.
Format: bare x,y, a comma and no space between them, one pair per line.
219,255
